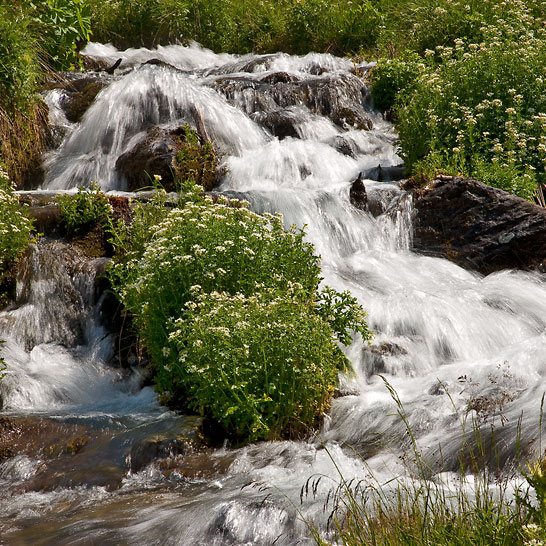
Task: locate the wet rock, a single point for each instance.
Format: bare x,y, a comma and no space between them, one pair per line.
78,103
337,96
147,451
280,77
165,446
381,173
39,438
357,194
479,227
280,123
345,146
92,64
79,92
166,152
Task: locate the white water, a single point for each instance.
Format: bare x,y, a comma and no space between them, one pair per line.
453,335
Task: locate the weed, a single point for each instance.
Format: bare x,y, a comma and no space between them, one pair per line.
84,209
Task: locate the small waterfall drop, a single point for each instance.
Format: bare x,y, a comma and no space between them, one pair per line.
445,337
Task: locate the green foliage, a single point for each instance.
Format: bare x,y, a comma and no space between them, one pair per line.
322,25
195,163
262,366
479,109
62,26
84,209
19,69
239,26
343,314
15,226
391,76
213,283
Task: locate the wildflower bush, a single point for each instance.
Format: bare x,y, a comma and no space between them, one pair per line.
227,303
477,108
84,209
15,226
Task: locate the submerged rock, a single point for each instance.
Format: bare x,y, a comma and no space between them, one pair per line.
479,227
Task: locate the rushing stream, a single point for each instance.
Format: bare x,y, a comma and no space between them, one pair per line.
444,337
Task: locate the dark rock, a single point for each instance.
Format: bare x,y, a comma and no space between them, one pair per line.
280,123
167,152
337,96
163,64
39,438
90,63
147,451
279,77
111,69
479,227
77,103
357,194
385,174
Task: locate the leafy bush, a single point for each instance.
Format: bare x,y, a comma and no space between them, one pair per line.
480,109
195,163
15,226
390,76
216,283
62,26
261,365
84,209
19,68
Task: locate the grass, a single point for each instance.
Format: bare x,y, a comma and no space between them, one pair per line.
483,507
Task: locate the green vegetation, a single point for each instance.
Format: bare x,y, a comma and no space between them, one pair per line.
227,304
84,209
195,162
239,26
15,227
478,107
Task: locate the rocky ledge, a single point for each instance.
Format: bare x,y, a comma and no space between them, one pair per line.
479,227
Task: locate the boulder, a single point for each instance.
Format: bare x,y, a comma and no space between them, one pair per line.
280,123
479,227
168,152
357,194
340,97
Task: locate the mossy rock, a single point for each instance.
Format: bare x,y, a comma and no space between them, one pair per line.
81,101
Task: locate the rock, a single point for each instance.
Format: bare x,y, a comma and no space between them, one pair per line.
357,194
280,123
337,96
479,227
167,151
39,438
77,103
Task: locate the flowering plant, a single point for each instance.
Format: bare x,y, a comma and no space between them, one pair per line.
228,306
15,226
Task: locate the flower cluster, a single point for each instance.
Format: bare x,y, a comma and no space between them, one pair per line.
228,306
15,226
477,107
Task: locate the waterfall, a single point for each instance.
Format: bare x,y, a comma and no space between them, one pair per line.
447,340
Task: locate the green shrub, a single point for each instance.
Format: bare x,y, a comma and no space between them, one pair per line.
391,76
15,226
62,27
480,109
195,163
262,365
211,267
19,66
84,209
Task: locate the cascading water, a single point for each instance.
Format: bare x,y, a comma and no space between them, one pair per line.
444,337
